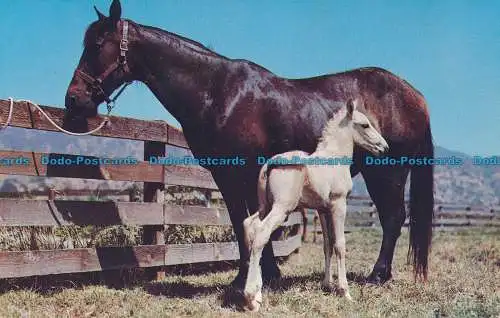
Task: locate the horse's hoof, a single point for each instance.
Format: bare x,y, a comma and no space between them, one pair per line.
377,278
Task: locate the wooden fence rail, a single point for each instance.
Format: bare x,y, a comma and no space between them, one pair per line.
152,213
365,215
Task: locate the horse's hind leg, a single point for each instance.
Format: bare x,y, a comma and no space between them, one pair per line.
228,181
262,231
386,187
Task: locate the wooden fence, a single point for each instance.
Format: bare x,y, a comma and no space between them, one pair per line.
153,214
362,213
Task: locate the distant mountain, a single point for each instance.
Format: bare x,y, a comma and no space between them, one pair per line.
464,184
461,184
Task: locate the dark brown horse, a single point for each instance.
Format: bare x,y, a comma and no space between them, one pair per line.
233,107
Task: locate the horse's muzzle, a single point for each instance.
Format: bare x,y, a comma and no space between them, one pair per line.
75,108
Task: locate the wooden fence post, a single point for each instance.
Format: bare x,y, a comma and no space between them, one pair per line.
154,192
305,219
315,226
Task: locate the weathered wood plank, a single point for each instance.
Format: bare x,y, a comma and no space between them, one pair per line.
198,215
463,222
141,171
20,212
176,137
286,247
200,252
192,176
212,252
30,263
468,214
120,127
68,193
359,208
293,218
195,215
20,114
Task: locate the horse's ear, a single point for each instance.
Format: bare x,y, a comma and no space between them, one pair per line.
99,14
115,11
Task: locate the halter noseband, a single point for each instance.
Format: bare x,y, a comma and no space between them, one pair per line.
121,63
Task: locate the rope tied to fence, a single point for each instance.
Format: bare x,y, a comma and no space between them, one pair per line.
11,108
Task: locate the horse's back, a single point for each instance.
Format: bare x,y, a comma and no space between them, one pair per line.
393,105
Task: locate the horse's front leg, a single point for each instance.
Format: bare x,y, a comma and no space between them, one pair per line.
338,214
228,181
259,233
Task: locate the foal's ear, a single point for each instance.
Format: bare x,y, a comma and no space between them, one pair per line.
115,11
350,107
99,14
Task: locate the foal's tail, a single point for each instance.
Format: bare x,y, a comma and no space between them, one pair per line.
421,208
263,188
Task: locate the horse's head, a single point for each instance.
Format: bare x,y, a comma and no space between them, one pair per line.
103,66
364,134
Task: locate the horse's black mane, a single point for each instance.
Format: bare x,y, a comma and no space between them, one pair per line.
163,33
98,27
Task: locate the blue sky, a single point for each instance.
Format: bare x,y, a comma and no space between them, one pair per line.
449,50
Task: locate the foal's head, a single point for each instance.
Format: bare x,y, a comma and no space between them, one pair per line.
363,132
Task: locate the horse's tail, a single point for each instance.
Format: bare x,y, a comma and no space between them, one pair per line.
263,189
421,208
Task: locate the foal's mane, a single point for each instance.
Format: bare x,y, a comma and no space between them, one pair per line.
333,124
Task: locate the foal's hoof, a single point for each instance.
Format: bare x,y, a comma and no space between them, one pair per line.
252,302
327,287
348,297
344,293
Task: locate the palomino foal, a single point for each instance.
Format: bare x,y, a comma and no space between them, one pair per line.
284,188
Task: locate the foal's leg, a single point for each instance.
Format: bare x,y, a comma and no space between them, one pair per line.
270,269
338,214
262,231
325,221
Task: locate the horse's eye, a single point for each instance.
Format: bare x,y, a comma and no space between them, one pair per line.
365,126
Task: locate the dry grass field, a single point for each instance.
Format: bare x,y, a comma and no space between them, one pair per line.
464,282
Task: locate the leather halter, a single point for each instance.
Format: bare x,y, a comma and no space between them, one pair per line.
121,63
